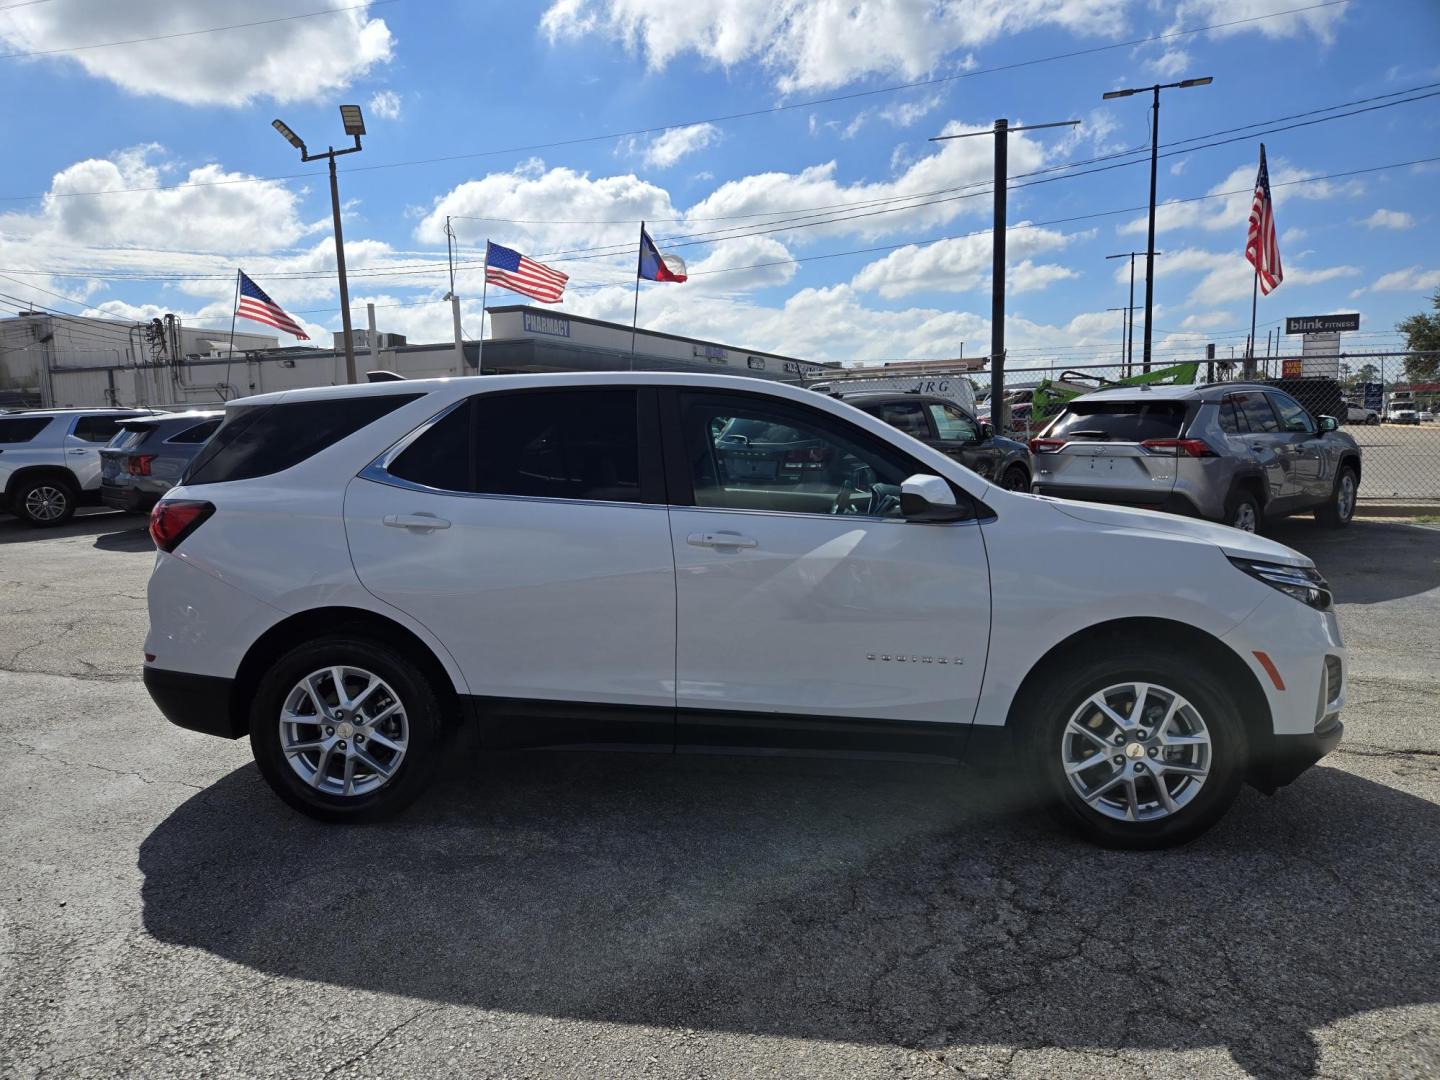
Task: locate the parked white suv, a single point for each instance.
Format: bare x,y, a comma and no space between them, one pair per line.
568,560
50,460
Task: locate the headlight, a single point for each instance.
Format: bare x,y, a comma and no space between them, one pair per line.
1303,583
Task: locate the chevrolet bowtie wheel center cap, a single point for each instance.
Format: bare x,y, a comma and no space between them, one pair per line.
345,730
1132,750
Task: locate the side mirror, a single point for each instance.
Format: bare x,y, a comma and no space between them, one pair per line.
987,431
1328,423
928,498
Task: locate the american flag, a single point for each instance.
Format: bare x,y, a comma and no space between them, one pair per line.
511,270
258,307
1261,246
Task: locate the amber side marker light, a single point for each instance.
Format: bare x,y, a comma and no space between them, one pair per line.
1269,666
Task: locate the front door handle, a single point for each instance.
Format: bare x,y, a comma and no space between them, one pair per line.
721,540
79,451
424,522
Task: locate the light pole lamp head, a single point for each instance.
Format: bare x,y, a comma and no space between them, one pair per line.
289,136
1206,81
1111,94
353,121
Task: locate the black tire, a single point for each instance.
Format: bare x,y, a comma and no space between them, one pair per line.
1242,502
420,704
44,503
1373,419
1119,662
1015,478
1340,507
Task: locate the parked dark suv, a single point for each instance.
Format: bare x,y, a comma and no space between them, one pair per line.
942,424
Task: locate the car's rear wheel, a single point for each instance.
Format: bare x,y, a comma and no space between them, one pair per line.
1015,478
1337,512
1242,511
346,729
1133,748
1373,418
44,503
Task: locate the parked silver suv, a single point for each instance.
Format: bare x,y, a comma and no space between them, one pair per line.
50,460
1231,452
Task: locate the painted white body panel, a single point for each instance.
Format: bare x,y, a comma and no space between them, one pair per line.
578,601
536,598
831,615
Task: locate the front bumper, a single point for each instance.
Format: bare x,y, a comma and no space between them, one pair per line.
1291,755
194,702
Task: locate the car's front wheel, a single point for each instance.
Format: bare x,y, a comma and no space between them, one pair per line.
44,503
1337,512
346,729
1015,478
1133,748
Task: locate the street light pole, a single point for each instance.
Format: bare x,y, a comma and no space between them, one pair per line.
1130,311
1154,162
999,411
354,124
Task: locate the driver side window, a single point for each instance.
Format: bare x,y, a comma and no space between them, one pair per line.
747,454
1292,417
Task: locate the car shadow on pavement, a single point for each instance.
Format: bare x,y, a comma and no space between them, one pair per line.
1369,562
93,523
905,905
136,540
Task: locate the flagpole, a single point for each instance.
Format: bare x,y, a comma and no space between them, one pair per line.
234,310
484,289
1250,352
635,316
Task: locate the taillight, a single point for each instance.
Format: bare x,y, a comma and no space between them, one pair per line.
139,464
172,522
1176,447
1046,446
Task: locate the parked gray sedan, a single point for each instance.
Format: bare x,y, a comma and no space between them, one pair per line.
148,456
1231,452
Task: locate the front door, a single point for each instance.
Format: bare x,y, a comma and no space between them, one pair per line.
1258,429
527,531
1305,449
809,612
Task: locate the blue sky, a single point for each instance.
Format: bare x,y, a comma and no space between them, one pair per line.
187,118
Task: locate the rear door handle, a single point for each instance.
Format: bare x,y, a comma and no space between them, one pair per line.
721,540
416,521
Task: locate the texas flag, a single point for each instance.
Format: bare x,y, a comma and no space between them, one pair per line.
657,267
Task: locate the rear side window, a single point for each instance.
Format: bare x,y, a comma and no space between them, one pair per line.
20,429
1120,421
128,438
259,440
907,416
443,457
97,429
1255,414
196,434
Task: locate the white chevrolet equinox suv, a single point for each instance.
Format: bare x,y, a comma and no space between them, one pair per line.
600,560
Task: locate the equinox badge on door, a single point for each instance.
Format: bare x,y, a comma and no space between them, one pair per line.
887,658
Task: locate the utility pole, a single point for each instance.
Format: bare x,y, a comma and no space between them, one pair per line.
1130,317
455,300
354,124
999,411
1154,161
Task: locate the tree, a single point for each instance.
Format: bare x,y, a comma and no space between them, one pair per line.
1422,334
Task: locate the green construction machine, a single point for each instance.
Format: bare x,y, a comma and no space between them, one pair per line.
1050,395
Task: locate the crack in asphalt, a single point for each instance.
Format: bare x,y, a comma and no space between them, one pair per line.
1362,750
35,751
385,1037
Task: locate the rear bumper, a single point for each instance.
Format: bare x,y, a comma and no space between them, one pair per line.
194,702
132,500
1169,502
1291,755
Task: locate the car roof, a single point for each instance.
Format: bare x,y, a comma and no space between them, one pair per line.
192,415
103,409
1169,392
877,397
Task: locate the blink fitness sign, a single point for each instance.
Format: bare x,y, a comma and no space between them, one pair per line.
1322,324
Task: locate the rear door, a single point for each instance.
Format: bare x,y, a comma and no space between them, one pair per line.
82,446
1095,450
527,530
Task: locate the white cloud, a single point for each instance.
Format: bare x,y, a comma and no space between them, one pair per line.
812,44
668,147
1389,219
962,264
1169,63
295,60
751,252
1227,276
1207,320
385,104
1314,20
1411,279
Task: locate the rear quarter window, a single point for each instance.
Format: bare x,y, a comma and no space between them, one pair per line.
1120,421
21,429
260,440
128,438
196,433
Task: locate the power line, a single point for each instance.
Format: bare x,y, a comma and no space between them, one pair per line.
770,110
191,33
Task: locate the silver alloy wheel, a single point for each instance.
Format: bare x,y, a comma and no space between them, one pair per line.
1136,752
46,502
1245,517
343,730
1345,496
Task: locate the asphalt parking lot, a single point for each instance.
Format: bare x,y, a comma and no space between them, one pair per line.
1400,460
162,915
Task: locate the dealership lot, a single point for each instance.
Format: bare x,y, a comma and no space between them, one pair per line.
1401,460
161,913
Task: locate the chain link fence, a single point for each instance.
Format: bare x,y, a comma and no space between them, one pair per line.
1377,399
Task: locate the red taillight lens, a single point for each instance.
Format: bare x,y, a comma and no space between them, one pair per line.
139,464
171,522
1177,447
1046,446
